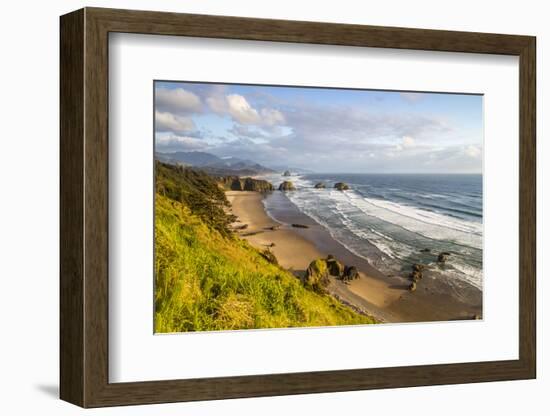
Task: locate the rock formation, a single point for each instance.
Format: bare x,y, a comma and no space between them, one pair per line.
350,273
317,276
341,186
335,268
442,257
234,183
287,186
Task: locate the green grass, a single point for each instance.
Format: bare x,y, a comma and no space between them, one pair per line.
207,279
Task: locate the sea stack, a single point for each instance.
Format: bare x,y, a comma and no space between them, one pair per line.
286,173
341,186
287,186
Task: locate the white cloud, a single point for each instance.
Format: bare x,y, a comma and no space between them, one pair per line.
272,117
472,151
241,110
169,122
408,142
411,97
172,142
177,101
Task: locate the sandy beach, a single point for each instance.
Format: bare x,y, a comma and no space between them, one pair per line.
384,297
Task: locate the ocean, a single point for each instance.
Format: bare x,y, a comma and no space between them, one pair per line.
392,220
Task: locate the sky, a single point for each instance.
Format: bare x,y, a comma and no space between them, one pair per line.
323,129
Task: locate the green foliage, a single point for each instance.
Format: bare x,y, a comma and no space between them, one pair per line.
207,279
196,190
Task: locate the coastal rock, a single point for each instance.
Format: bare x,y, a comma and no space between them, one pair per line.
234,183
317,276
415,276
287,186
286,173
425,250
417,267
350,273
300,226
412,287
320,185
257,185
442,257
341,186
269,256
335,268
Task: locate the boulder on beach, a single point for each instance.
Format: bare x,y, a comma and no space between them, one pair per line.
412,287
442,257
341,186
287,186
320,185
417,267
317,276
350,273
335,268
286,173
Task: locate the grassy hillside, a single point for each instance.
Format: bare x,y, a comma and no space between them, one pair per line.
207,279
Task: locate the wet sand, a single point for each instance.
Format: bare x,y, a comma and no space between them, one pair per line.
384,297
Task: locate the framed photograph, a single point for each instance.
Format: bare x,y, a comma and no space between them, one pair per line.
256,207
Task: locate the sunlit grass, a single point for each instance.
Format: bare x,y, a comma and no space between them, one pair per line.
206,281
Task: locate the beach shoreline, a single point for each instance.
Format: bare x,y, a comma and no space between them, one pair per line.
386,298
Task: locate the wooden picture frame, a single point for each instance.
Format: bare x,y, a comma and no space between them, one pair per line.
84,207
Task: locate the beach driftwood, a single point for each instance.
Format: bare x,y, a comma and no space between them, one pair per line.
300,226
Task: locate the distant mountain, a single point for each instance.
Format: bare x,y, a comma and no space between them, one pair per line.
189,158
291,169
214,164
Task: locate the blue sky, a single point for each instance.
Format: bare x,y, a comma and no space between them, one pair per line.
325,130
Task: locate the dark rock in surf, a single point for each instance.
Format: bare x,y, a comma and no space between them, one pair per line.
287,186
286,173
300,226
341,186
442,257
320,185
415,276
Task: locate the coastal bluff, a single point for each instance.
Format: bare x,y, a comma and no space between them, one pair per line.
235,183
